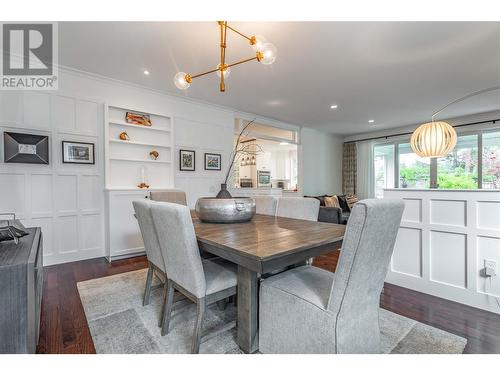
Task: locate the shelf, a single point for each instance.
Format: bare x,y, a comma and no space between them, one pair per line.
118,123
141,160
137,143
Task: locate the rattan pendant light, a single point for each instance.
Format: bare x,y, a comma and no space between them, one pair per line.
436,139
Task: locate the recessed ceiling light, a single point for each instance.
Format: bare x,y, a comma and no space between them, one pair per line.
146,72
334,106
371,121
284,143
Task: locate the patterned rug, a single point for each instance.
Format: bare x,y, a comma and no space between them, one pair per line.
120,324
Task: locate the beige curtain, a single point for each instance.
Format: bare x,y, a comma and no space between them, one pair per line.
349,168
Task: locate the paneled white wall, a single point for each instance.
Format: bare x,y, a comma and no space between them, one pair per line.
444,238
65,200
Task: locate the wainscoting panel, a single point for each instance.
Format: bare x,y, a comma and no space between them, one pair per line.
67,234
447,212
458,230
64,110
41,195
407,257
413,211
66,194
448,256
65,200
488,215
36,108
13,196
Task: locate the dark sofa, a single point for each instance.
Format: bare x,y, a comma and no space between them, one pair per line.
333,215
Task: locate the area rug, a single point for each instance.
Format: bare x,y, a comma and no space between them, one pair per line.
120,324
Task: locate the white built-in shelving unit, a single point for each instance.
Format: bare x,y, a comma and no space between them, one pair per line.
126,159
124,163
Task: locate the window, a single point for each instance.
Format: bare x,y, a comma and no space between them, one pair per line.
458,169
384,168
414,171
491,161
474,163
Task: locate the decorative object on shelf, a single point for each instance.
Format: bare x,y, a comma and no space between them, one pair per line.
124,136
437,139
78,152
213,162
138,118
225,210
187,160
143,184
265,53
11,229
25,148
240,152
154,154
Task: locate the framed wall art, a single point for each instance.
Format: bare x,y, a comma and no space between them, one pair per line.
213,162
78,152
25,148
187,160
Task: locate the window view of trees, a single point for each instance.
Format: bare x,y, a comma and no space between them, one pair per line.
458,169
414,171
491,160
384,168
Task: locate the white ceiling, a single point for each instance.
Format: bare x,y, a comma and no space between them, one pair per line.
395,73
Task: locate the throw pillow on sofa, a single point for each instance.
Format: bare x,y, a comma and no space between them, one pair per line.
343,203
351,200
332,201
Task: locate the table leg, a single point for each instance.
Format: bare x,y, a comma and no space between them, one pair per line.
248,310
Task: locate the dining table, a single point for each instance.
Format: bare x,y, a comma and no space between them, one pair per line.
261,247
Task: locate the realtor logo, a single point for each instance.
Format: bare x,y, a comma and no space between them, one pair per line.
29,56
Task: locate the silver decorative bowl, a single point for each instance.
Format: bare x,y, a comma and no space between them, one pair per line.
225,210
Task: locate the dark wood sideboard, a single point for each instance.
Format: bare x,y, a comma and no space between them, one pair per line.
21,283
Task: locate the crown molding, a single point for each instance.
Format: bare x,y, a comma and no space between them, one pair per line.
233,111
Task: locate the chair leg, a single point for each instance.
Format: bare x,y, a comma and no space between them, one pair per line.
149,281
167,311
195,347
165,291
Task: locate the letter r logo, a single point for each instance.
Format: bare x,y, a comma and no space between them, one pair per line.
27,49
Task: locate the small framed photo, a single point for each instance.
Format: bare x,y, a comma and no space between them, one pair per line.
213,162
187,160
78,152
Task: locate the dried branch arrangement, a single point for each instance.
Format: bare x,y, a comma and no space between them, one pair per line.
240,151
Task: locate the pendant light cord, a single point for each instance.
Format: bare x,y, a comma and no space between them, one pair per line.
465,97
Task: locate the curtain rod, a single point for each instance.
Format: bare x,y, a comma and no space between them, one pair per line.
408,133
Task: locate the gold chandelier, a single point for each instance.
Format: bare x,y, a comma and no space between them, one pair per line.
265,53
437,139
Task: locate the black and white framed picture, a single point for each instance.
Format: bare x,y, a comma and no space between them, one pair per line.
187,160
25,148
78,152
213,162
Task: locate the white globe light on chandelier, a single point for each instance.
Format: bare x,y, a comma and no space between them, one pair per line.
433,139
259,43
180,81
227,72
269,53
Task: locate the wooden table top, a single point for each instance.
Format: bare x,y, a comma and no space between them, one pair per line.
266,238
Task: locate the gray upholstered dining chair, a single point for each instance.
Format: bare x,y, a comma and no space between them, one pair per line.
169,195
298,208
265,204
311,310
203,282
156,263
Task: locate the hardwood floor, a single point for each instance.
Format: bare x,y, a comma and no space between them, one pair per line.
64,327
